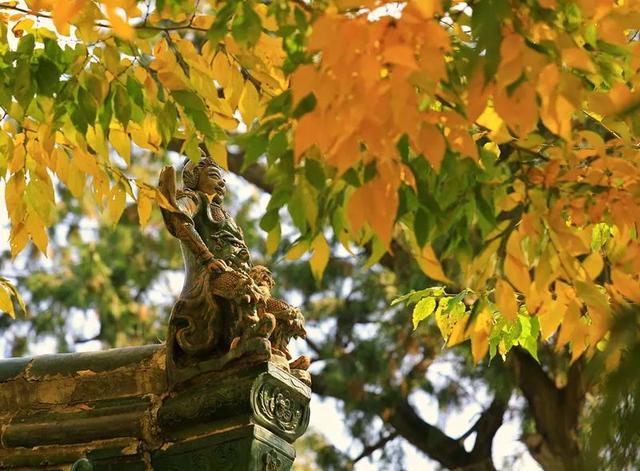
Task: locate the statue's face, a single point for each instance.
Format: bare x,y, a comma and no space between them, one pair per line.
211,182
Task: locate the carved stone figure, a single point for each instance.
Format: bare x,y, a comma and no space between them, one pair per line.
225,310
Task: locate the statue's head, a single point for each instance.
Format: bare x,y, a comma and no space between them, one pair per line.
262,276
205,176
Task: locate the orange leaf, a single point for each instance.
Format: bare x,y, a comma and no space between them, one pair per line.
577,58
514,266
431,144
400,55
556,109
506,300
519,110
626,284
461,141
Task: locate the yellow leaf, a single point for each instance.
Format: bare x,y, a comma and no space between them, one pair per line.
430,265
479,346
593,265
297,251
116,203
218,151
19,154
249,104
571,321
35,227
120,25
76,181
144,207
591,295
64,12
18,238
550,316
491,120
21,26
121,143
221,69
13,194
459,332
85,162
273,240
5,302
506,300
320,257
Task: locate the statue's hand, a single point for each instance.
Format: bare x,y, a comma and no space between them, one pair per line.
216,265
251,293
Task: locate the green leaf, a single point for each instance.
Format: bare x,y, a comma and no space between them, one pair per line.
600,235
314,173
269,220
219,27
305,105
378,250
26,45
47,77
279,104
195,108
415,296
403,147
246,26
303,207
167,122
423,309
122,106
254,146
457,299
277,146
449,312
87,105
529,332
486,24
189,101
135,91
23,88
421,227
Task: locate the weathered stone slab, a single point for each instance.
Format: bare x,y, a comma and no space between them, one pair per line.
126,418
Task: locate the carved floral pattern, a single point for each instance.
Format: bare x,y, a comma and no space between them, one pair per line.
280,407
272,461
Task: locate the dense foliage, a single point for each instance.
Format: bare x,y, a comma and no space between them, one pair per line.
481,156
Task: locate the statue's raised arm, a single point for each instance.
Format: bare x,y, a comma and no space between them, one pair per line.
180,221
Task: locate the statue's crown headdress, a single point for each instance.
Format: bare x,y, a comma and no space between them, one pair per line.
191,171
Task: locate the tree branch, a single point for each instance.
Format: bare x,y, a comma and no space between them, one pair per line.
368,450
428,438
555,411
